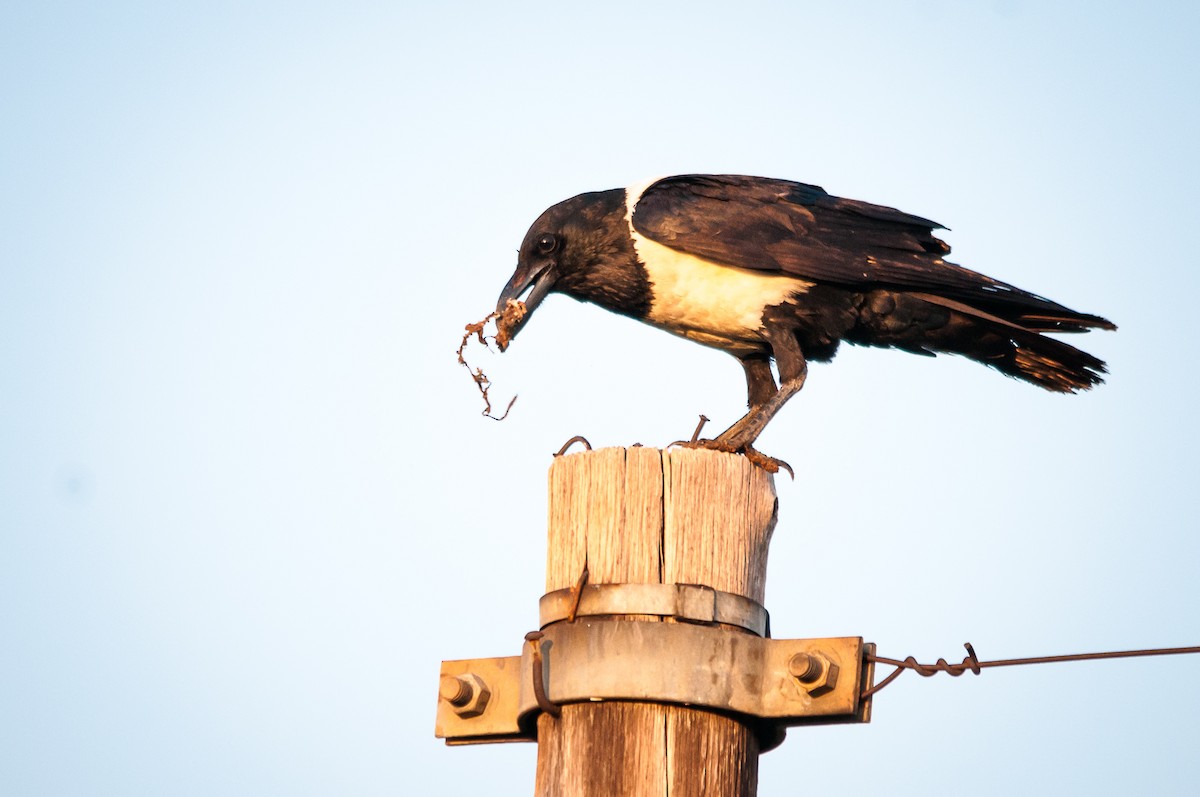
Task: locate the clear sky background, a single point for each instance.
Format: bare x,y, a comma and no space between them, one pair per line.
248,503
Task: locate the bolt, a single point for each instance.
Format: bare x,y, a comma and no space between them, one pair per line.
815,672
467,693
456,691
805,668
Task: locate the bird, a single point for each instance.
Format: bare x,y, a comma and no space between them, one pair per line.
771,270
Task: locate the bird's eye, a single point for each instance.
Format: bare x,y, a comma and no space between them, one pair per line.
547,244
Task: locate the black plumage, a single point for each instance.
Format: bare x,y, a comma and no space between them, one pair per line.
772,269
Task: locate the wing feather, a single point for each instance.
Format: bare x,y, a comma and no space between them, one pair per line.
777,225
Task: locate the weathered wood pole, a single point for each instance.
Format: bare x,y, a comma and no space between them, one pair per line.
642,515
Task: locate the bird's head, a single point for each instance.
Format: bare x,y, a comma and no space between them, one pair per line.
566,251
539,267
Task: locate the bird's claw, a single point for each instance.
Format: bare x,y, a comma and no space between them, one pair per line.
756,457
769,464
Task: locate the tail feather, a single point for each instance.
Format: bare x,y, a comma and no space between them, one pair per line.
1049,363
1012,344
1015,346
1077,322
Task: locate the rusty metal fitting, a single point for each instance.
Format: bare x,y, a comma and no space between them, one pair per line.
466,693
815,673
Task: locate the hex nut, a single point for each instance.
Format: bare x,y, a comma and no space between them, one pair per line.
814,672
467,694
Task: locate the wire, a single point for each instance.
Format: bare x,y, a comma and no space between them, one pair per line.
972,663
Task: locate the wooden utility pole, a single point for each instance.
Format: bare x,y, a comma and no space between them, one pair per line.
653,671
645,516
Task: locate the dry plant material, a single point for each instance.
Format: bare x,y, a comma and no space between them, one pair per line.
506,323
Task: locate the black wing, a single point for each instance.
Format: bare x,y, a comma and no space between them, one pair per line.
778,225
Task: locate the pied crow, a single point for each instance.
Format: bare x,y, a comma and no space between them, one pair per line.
771,269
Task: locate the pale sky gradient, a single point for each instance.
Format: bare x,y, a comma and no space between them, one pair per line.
247,503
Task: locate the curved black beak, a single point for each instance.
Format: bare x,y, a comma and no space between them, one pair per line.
531,283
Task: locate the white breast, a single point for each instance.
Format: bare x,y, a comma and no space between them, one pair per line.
710,303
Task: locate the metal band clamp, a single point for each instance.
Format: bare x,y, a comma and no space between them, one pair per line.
691,603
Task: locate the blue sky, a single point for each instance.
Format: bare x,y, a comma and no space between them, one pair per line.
247,503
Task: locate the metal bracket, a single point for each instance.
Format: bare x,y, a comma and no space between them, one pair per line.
498,722
781,682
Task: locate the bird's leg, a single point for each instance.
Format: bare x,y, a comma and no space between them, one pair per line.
760,382
793,369
765,399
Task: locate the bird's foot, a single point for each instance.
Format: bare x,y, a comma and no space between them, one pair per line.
756,457
769,464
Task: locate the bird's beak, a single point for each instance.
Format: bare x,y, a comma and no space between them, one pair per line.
533,285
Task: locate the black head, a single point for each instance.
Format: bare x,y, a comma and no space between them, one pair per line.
539,260
572,248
